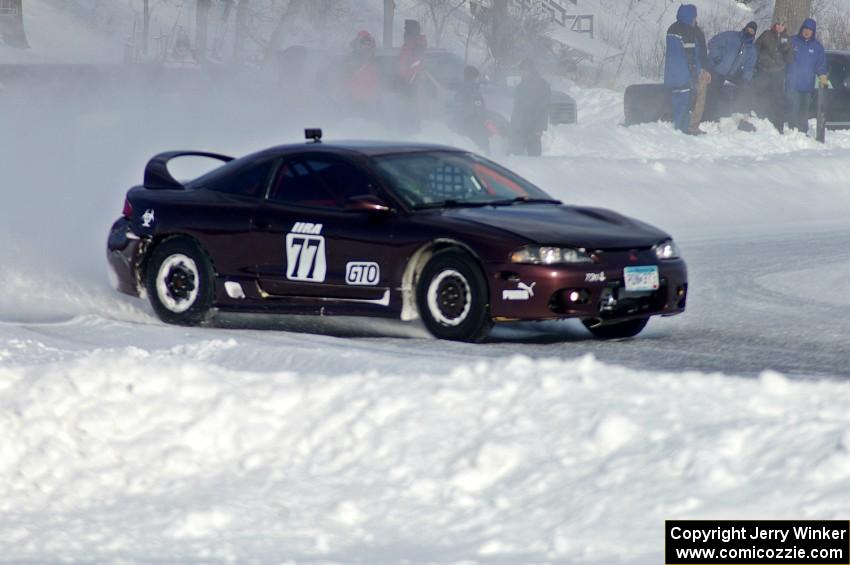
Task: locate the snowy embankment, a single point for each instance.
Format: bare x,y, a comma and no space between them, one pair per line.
136,453
125,439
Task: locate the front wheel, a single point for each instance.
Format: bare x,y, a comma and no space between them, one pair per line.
179,281
617,331
452,297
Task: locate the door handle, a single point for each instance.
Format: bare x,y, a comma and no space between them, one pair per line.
261,224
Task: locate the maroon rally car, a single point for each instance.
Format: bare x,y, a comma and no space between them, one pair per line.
391,230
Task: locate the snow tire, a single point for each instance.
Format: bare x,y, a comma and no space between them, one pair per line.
453,298
180,282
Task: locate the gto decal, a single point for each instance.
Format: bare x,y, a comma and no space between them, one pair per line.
523,292
147,218
305,254
362,273
595,277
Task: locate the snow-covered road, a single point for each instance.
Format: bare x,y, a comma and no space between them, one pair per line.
266,440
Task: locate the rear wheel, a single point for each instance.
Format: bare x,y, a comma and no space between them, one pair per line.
452,297
617,331
179,281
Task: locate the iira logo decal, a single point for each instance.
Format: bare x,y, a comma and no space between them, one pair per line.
148,218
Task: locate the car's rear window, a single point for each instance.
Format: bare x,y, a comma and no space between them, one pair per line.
245,177
438,176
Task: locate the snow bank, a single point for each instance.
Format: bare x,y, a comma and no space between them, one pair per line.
162,454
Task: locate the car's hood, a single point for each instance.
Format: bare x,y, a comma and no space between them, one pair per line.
547,224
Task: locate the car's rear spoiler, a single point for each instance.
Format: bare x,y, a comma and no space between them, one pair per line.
156,171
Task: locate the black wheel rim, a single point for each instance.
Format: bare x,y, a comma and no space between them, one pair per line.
452,297
180,282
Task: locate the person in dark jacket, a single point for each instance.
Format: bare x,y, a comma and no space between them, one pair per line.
530,116
682,65
808,65
701,90
774,54
470,111
732,56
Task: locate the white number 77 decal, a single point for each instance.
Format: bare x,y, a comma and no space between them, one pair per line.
305,257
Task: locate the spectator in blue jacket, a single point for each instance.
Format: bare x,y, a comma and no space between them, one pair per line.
732,56
808,65
682,65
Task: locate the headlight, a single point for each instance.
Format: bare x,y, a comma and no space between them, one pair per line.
549,255
666,250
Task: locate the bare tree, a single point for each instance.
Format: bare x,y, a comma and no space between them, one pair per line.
833,19
389,19
146,25
511,30
439,13
202,16
12,24
242,12
792,12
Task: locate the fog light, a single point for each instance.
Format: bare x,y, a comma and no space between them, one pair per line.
576,296
234,290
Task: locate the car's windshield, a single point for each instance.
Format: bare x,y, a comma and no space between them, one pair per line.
442,178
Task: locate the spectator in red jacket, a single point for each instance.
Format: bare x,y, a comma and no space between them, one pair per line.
411,73
362,79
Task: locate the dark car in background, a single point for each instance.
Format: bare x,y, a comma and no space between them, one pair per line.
388,230
447,70
312,69
838,97
646,103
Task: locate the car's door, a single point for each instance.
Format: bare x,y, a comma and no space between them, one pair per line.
309,244
219,213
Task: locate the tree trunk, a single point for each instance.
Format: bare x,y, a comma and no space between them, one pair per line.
792,13
499,41
146,26
389,18
12,25
202,19
241,28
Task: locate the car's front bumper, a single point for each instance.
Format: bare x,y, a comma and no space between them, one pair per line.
543,292
124,251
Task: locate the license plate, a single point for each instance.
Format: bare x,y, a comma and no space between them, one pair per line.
641,278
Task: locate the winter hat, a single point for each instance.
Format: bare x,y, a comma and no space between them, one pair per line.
411,29
687,14
363,39
809,24
753,25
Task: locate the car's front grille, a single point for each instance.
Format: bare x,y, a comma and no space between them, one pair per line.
563,113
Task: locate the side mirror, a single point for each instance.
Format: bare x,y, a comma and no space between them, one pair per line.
366,203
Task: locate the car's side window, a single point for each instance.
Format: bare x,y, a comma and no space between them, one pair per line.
318,180
249,182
